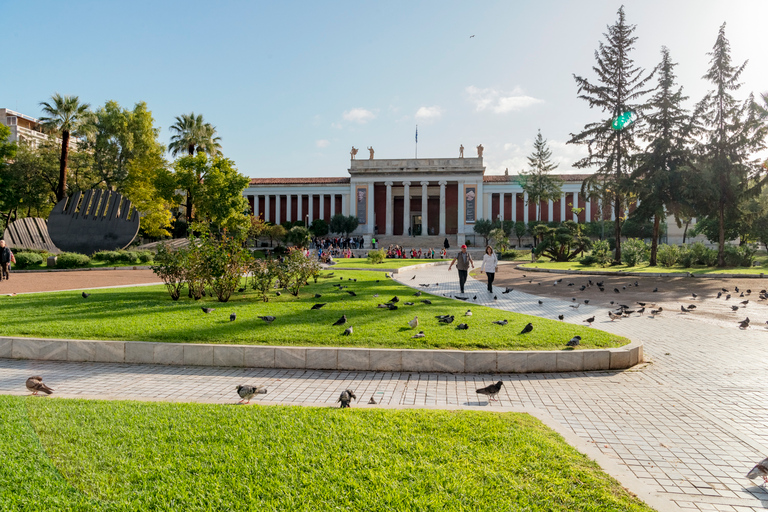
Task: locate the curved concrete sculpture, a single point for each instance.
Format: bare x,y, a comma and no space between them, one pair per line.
97,220
29,233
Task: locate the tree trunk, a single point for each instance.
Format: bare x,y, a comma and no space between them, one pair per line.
655,241
617,229
61,191
189,208
685,230
721,235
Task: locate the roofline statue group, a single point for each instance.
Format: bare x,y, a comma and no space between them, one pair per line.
353,152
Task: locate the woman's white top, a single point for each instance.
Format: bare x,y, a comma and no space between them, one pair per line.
490,262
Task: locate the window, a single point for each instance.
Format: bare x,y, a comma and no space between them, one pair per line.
10,120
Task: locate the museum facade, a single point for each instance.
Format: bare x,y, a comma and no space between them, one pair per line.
421,197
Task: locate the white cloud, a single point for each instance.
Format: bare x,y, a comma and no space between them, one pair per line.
515,157
500,102
428,113
322,143
359,115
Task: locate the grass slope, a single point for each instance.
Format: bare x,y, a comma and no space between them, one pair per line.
158,456
148,314
643,267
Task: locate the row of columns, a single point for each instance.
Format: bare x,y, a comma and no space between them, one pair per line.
389,223
550,205
299,202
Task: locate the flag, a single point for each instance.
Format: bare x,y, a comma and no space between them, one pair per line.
417,134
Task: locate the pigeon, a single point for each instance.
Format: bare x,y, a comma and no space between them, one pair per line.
642,303
247,392
743,324
341,321
391,306
460,298
691,306
317,295
736,288
408,303
462,327
655,312
346,397
375,294
641,311
468,313
446,320
474,298
734,308
575,306
268,319
495,297
394,299
727,297
426,301
500,322
414,277
278,294
561,317
613,316
541,302
683,310
372,401
573,342
528,328
694,295
232,317
318,306
655,290
35,385
417,294
573,299
420,334
490,391
507,290
414,323
616,290
347,331
382,306
353,294
86,295
586,301
241,290
208,310
719,294
745,302
590,320
761,469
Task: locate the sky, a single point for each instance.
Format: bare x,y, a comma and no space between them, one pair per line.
292,86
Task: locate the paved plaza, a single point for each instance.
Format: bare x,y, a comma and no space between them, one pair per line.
688,423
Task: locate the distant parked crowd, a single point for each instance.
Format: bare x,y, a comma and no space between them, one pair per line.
398,252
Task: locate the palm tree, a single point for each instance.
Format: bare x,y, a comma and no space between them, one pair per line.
65,115
193,135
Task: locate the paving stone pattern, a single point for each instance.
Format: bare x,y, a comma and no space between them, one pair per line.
689,423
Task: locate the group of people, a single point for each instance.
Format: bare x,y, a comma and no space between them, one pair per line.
463,262
355,242
397,252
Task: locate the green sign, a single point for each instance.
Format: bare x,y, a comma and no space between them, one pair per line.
624,120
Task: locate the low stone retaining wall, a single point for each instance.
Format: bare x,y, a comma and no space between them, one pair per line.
322,358
639,274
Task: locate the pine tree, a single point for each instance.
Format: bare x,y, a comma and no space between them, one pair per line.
732,132
537,182
619,89
663,166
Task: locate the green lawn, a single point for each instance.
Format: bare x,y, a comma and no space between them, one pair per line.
575,265
148,314
124,456
387,264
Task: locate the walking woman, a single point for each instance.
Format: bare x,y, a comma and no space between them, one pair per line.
490,262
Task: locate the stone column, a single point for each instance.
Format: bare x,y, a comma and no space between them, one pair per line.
388,220
514,206
525,207
321,213
562,207
575,205
299,213
442,207
613,212
266,208
370,215
277,208
424,208
487,208
551,211
310,208
479,203
345,204
588,217
501,206
256,211
460,211
332,199
406,207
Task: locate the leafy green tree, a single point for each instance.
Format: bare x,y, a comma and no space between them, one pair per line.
562,243
298,236
217,189
483,228
64,116
263,274
537,182
344,224
732,132
275,232
520,230
319,227
619,89
24,187
500,239
662,167
7,181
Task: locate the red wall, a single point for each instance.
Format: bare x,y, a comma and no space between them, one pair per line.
380,207
451,208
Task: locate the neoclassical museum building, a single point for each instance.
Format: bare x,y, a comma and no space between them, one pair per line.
424,197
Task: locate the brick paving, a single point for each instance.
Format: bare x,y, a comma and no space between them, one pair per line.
688,423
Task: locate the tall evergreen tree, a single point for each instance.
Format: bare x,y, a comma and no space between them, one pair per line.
662,167
732,131
537,182
619,89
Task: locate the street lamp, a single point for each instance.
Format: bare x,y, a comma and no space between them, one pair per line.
306,221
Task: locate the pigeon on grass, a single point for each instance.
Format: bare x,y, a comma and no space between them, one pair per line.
341,321
420,334
414,323
347,331
247,392
86,295
269,318
208,310
528,328
232,317
574,342
318,306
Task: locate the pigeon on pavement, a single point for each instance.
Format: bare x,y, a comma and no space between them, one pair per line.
372,401
612,316
341,321
346,397
590,320
561,317
247,392
35,385
490,391
528,328
761,470
573,342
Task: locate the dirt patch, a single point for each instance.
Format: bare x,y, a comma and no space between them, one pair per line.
75,280
670,294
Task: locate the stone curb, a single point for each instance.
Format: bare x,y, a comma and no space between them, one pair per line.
137,267
322,358
640,274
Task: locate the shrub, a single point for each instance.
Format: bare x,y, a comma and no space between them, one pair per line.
263,274
26,259
668,255
740,256
225,261
686,256
634,251
601,250
376,257
508,254
702,255
169,266
588,260
145,256
72,260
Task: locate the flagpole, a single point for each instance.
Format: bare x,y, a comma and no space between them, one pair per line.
416,154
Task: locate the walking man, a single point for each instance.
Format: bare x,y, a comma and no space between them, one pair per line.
463,261
6,258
